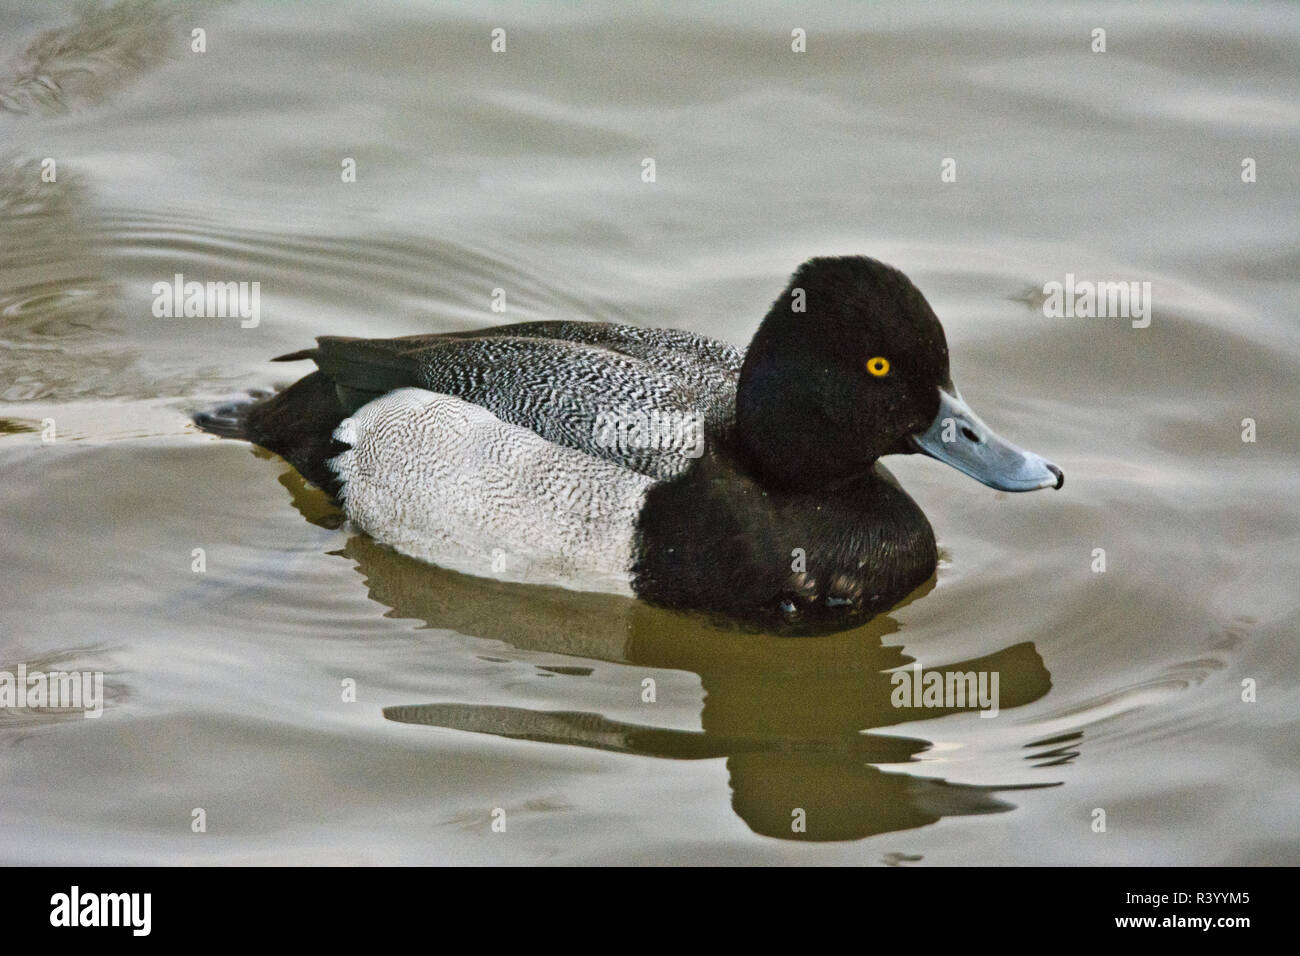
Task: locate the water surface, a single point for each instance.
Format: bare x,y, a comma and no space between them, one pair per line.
1120,690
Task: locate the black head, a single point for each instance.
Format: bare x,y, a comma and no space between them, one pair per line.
847,364
851,364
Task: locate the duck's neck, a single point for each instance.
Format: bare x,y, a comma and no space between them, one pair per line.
783,426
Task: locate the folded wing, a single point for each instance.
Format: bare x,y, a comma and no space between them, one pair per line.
642,398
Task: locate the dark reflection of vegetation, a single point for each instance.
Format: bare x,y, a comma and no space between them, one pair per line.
12,426
791,716
82,62
53,292
1060,750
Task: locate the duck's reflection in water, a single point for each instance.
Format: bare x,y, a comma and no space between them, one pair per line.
790,715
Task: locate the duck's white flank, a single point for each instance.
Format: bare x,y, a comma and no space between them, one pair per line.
448,482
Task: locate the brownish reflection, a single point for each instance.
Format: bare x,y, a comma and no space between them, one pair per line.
792,716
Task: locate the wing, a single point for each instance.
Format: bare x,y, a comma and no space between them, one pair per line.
671,348
643,398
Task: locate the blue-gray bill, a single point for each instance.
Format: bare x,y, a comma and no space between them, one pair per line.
959,438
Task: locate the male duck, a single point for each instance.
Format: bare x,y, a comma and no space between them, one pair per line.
654,462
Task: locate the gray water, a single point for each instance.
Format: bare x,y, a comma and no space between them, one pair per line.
1121,690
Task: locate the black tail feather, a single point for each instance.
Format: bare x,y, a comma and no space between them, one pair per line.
297,424
300,356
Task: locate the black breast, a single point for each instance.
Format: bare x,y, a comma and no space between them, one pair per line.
713,539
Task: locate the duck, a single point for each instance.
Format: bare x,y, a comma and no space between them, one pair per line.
658,463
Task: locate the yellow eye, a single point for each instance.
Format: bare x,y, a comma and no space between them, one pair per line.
878,366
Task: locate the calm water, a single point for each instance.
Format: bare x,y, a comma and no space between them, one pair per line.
1120,690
